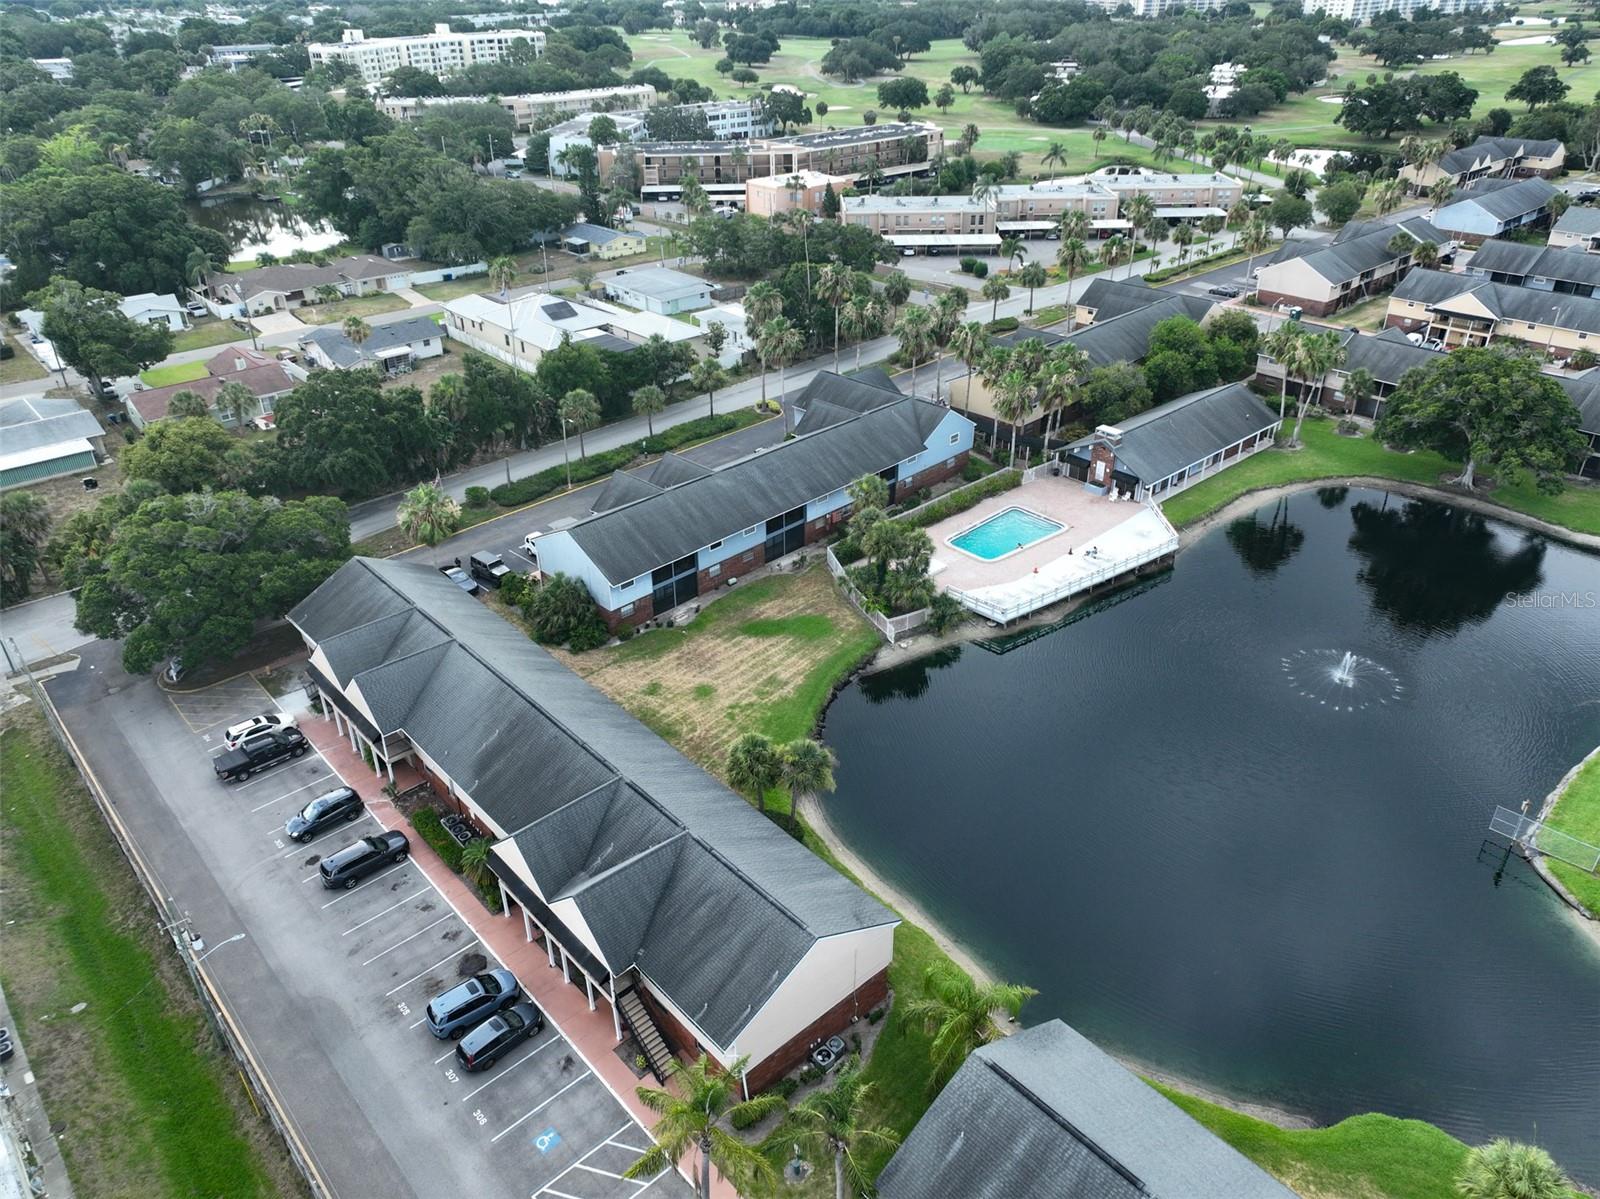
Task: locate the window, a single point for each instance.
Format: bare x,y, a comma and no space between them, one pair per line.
715,545
713,570
954,438
625,610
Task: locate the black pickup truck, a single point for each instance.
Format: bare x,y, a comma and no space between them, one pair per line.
257,752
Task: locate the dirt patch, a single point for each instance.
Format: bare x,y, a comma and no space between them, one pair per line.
427,371
746,664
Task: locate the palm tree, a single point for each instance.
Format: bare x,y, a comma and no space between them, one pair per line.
754,768
996,288
475,859
1054,157
1114,254
502,270
648,401
356,330
1013,403
1065,367
1282,345
1010,250
781,343
986,191
896,288
959,1013
969,343
1183,238
1505,1169
448,396
1388,195
834,1122
1074,224
1139,211
1359,386
859,320
184,405
805,767
970,135
1425,254
427,514
762,304
707,376
993,366
578,410
235,399
915,331
1257,236
1441,191
1033,277
691,1117
800,219
1239,216
1321,353
1072,257
834,287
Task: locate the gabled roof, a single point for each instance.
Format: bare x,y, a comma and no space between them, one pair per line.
829,398
1367,249
1495,149
236,358
1045,1114
1579,221
622,488
638,537
1438,289
1386,356
592,796
269,379
661,283
1504,200
1518,261
1584,391
1184,431
32,422
345,353
673,469
297,276
1126,338
1107,298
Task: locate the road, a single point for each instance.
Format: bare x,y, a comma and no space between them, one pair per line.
330,987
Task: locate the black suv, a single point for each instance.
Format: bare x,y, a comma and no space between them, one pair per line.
257,752
498,1035
353,863
323,812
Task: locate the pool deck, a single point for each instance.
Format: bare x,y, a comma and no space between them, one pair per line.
1099,534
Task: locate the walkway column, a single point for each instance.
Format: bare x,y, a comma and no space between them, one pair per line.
549,946
355,746
616,1018
588,989
527,926
566,970
389,765
338,721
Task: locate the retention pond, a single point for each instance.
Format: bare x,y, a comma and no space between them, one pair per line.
1234,826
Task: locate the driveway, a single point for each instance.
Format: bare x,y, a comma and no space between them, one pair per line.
330,986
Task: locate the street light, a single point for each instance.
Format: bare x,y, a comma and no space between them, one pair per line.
196,942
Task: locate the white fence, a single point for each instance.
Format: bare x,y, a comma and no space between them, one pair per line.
1007,612
892,627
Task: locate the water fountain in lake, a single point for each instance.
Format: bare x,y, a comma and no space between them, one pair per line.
1345,682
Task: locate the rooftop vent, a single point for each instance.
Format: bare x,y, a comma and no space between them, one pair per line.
1109,434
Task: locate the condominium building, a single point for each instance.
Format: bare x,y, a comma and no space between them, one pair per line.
531,107
931,222
1366,10
232,58
1489,158
1159,8
439,53
723,167
729,120
771,195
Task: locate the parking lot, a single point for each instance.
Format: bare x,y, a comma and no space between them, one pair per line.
359,967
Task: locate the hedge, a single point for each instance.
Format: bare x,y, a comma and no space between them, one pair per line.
1006,324
1169,272
964,498
699,429
430,829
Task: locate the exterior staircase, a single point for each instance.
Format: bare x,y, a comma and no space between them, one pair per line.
637,1017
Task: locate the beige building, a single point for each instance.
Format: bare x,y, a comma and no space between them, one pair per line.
1458,310
1578,227
1489,158
527,109
931,222
1320,277
771,195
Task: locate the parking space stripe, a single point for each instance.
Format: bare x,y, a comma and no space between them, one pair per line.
370,919
624,1145
412,937
443,1055
651,1183
266,779
375,878
541,1107
499,1074
324,778
300,847
557,1194
546,1189
455,954
608,1174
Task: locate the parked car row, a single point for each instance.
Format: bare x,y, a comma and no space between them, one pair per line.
488,1015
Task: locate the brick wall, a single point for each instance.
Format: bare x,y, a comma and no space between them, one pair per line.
735,566
643,610
1313,307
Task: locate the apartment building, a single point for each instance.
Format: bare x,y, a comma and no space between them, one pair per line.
533,107
925,222
232,58
1159,8
1489,158
1459,310
1577,227
1542,268
439,53
1494,208
774,194
1321,277
723,167
729,120
1359,11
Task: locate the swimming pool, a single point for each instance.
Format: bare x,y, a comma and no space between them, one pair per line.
1005,533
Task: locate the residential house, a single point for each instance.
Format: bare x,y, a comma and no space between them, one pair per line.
703,926
150,308
521,331
1489,158
43,438
1577,227
1322,277
1174,445
673,540
1045,1114
605,244
293,284
1458,310
660,290
1493,208
264,377
1542,268
394,347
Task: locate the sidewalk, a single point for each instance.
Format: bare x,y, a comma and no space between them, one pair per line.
589,1033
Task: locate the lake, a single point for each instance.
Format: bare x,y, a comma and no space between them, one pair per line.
1212,856
254,226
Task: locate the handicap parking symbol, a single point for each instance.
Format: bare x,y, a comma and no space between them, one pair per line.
547,1140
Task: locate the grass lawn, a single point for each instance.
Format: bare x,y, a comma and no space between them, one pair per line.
177,372
362,306
208,333
1327,455
150,1106
1577,813
21,366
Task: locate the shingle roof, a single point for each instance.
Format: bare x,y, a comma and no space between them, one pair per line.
1584,391
1107,298
673,469
1504,200
345,353
1495,149
1518,261
829,398
1184,431
298,276
1579,221
596,235
1387,356
622,488
638,537
30,423
270,379
1508,303
717,924
1368,249
1045,1114
1126,338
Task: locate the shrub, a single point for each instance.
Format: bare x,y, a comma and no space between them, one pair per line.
786,1087
698,430
426,822
478,497
625,632
514,589
968,264
1006,324
945,613
977,468
744,1118
1582,360
809,1075
562,613
489,893
875,1015
980,269
964,498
